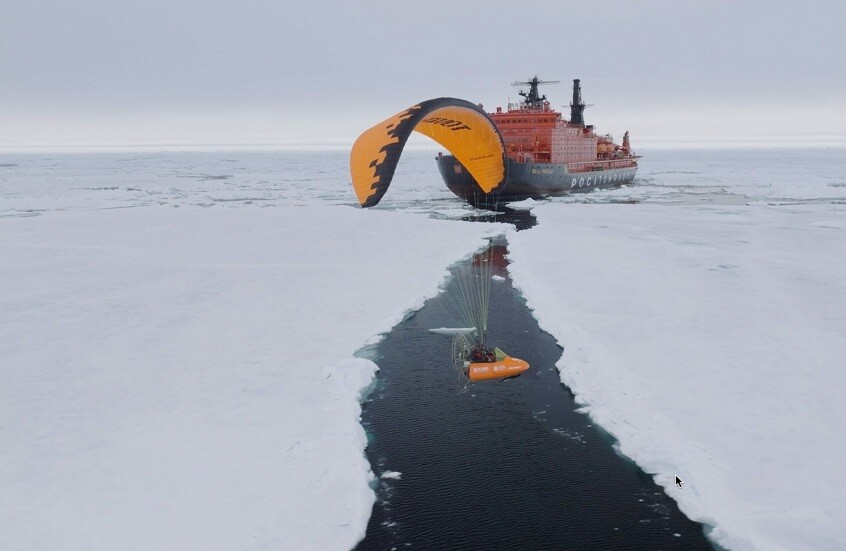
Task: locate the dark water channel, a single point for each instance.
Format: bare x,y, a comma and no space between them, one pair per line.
500,465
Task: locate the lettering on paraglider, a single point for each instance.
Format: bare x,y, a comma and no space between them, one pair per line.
449,123
480,157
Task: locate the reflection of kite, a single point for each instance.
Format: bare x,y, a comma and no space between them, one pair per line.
460,126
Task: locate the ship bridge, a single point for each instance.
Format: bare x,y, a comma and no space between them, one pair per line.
535,132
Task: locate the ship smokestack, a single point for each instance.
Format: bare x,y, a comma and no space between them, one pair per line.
626,145
577,108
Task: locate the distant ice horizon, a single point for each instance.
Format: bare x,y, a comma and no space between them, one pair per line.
658,143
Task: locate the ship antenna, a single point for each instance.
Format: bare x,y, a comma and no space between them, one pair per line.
533,98
577,108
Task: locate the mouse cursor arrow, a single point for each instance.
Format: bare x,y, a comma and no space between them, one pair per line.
679,481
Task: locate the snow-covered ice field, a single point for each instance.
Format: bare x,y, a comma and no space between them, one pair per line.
177,342
704,327
183,378
710,341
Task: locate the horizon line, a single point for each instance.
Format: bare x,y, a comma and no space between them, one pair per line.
656,143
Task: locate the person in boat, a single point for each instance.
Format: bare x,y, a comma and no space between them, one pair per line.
481,353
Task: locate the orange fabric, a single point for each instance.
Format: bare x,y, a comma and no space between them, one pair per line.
461,127
369,152
474,141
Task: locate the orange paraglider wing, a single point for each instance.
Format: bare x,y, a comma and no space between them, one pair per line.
463,128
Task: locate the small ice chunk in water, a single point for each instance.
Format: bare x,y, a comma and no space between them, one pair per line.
392,474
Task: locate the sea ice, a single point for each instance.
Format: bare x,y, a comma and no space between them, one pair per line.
184,378
710,342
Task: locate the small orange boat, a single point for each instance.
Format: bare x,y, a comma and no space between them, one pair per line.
504,367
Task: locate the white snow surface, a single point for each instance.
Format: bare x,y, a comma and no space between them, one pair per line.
183,378
710,342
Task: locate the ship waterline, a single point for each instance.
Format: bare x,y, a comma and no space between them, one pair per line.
534,180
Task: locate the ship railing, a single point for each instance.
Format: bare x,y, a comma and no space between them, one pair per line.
603,164
518,108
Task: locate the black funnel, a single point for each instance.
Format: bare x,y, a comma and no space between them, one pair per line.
577,107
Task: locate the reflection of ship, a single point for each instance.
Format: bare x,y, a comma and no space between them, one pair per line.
494,259
546,154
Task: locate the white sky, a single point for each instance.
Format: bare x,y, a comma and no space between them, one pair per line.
267,71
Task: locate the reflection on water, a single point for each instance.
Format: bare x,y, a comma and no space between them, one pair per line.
521,219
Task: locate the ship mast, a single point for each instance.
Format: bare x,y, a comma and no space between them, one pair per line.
577,107
533,98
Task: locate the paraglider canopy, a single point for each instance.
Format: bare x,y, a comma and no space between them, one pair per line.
460,126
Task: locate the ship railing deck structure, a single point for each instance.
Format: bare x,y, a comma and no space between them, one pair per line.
542,157
602,164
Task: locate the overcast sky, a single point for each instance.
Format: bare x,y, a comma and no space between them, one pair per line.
214,72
